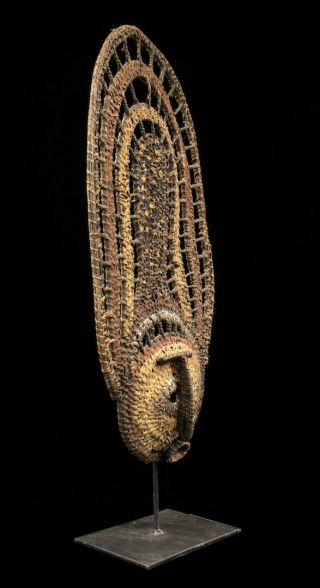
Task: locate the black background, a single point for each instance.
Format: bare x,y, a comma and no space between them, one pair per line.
250,80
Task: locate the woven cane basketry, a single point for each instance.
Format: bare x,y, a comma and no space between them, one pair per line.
151,257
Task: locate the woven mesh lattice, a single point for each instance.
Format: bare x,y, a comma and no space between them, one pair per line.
151,257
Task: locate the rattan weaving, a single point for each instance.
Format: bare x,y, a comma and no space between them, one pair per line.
151,257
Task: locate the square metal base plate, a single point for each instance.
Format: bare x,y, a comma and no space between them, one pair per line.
136,542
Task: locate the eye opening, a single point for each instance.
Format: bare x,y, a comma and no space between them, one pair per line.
173,397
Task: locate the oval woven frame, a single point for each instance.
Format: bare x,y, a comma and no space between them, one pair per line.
150,252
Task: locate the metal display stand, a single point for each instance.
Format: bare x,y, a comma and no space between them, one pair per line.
153,540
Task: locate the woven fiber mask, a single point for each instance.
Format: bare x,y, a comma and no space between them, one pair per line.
150,253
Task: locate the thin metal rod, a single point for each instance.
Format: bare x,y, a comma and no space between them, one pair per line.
155,482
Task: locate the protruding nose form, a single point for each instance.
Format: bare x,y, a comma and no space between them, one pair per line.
177,450
158,414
